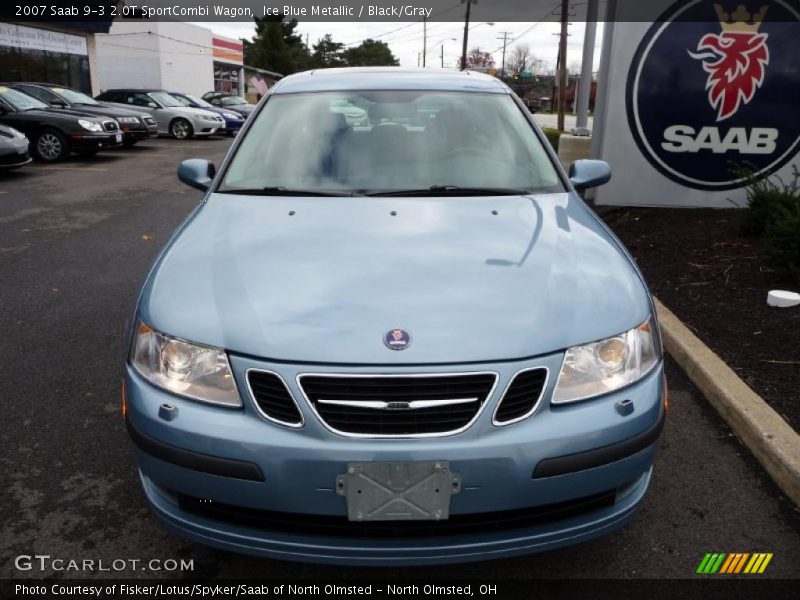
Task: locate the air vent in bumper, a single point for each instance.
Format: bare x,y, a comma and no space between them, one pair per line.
522,396
273,398
398,405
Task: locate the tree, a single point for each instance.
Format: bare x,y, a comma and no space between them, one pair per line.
479,59
370,53
276,47
327,53
521,59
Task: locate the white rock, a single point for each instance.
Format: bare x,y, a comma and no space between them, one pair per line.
782,298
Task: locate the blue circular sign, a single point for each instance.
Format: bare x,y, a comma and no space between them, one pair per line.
397,339
714,89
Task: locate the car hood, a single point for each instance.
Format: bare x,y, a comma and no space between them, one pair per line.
324,279
59,114
103,111
242,108
194,111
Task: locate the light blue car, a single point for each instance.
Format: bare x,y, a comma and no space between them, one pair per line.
401,342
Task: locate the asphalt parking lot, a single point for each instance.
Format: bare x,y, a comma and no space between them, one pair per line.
76,240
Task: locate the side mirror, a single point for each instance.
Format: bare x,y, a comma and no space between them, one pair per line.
585,174
197,173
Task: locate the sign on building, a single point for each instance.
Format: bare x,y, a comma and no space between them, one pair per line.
29,38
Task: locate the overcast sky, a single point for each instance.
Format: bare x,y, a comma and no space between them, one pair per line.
405,39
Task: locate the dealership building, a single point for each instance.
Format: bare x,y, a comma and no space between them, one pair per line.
64,54
175,56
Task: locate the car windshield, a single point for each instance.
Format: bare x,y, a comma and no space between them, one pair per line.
164,99
409,141
195,101
74,97
19,101
232,100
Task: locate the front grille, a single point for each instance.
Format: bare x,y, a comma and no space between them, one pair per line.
273,398
410,405
522,395
340,527
110,126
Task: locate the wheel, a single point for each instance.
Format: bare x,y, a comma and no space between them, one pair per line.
50,146
181,129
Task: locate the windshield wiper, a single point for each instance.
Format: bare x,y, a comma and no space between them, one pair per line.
453,190
283,191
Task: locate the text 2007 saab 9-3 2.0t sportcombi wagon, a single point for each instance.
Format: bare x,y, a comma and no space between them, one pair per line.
400,341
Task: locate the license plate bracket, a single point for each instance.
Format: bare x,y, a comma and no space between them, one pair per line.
397,491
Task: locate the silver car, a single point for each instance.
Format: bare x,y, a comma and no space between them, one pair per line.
172,117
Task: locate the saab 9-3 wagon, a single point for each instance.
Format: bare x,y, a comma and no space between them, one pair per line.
401,340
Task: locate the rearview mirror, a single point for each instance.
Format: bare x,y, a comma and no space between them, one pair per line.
585,174
197,173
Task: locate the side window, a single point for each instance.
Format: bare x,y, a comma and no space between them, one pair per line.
138,100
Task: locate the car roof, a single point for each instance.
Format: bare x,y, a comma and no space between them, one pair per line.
389,78
134,90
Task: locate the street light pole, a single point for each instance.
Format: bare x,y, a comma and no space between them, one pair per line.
466,33
505,39
424,39
585,84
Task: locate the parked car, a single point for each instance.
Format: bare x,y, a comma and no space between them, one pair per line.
173,118
394,344
14,151
233,120
229,102
135,125
54,134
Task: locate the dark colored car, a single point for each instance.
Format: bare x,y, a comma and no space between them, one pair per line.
135,125
229,102
233,119
13,148
54,134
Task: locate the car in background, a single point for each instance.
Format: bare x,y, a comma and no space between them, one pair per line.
14,151
135,125
355,116
230,102
172,117
233,120
55,134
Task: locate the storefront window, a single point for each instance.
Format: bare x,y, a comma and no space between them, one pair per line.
226,78
60,68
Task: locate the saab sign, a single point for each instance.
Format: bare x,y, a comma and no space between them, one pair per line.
711,90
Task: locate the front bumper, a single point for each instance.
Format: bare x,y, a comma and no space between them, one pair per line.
104,141
298,469
16,157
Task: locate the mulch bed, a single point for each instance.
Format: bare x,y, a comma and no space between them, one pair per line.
714,279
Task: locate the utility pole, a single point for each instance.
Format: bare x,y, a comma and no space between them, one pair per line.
424,39
505,39
585,85
466,33
562,66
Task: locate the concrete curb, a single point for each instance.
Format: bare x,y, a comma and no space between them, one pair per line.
773,442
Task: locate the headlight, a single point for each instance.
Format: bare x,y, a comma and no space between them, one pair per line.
232,116
198,372
208,118
90,125
607,365
132,120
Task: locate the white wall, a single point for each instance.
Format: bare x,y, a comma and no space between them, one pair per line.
170,55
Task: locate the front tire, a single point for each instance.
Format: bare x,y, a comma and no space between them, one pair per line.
50,146
181,129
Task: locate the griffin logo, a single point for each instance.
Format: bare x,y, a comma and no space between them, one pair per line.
735,59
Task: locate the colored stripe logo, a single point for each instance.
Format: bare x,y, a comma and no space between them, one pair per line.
734,562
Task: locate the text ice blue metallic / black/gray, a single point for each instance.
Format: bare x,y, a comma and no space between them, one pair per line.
270,407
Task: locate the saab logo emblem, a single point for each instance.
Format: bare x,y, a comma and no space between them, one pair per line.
712,90
735,59
397,339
